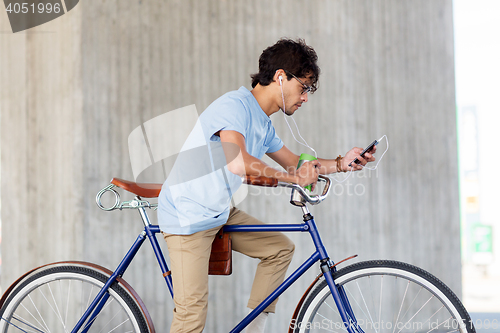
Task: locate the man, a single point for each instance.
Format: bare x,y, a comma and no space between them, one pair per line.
228,141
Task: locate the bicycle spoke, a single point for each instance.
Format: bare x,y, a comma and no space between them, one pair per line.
331,307
330,330
434,328
55,303
429,320
353,298
401,307
94,319
11,324
39,314
326,328
84,308
372,291
368,310
57,308
39,323
119,325
380,304
413,301
25,322
90,294
110,322
417,312
67,301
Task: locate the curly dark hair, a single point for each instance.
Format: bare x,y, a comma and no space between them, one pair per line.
293,56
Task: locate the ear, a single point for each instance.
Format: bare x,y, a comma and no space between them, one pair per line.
279,73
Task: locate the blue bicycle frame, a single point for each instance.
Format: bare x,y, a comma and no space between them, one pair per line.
308,225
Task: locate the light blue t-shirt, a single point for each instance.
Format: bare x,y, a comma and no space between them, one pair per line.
197,193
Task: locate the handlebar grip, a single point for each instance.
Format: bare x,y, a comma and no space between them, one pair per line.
260,181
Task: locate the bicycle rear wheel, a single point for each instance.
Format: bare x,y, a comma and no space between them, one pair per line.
54,298
385,296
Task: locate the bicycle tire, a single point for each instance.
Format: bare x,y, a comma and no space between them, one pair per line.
53,298
413,300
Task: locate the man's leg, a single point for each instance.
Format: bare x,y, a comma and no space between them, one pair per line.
274,249
189,255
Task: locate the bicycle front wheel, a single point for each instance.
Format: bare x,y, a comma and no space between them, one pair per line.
385,296
54,298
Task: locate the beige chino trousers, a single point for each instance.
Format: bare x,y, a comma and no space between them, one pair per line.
189,255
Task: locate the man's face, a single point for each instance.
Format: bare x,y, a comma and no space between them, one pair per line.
294,93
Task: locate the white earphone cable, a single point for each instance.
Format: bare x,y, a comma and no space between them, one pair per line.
380,159
315,153
298,132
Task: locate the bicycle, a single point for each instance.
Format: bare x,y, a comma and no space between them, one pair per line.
372,296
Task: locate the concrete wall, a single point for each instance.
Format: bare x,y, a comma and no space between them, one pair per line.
73,89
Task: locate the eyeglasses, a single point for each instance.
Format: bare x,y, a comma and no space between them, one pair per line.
305,88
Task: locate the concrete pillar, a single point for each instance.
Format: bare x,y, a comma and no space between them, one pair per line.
72,90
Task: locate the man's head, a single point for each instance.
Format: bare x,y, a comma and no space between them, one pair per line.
294,57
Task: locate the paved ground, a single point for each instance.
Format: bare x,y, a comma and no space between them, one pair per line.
486,322
481,297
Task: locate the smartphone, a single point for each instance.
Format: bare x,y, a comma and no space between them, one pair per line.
366,150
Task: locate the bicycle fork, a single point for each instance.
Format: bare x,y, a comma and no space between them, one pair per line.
340,297
338,293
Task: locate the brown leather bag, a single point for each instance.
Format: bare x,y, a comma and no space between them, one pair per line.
221,256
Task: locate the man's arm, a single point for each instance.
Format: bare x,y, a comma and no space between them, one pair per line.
246,164
288,160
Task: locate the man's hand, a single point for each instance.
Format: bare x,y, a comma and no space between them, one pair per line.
308,173
355,152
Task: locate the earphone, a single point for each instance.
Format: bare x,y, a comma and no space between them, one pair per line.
281,79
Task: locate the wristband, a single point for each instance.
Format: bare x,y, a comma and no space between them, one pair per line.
339,162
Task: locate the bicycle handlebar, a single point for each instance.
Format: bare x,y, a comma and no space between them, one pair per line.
273,182
250,180
315,199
